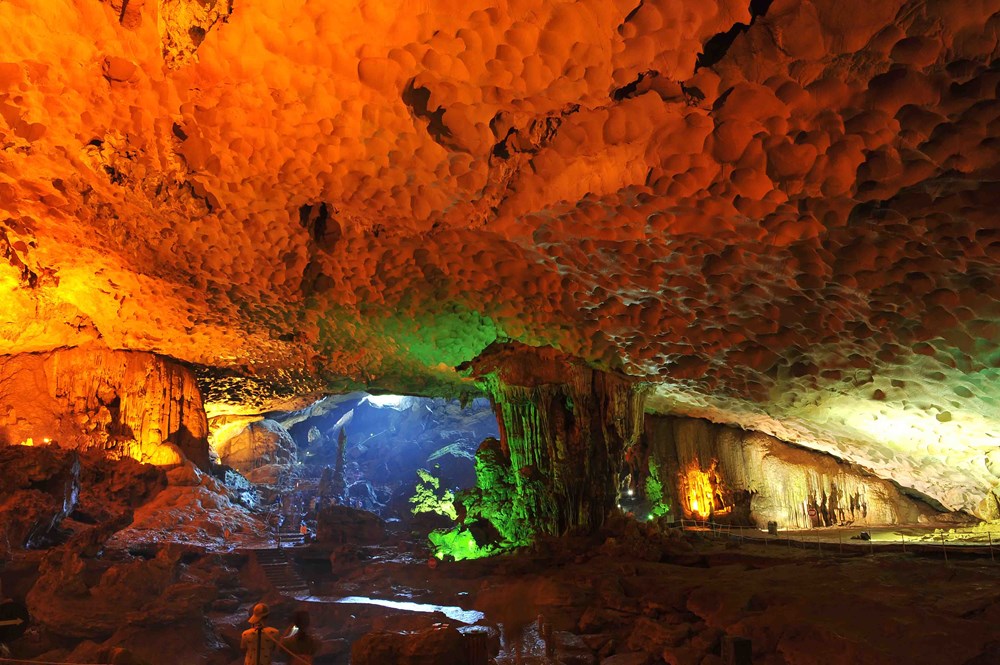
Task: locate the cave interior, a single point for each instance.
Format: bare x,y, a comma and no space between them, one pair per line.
497,332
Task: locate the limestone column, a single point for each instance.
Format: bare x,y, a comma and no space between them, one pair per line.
565,427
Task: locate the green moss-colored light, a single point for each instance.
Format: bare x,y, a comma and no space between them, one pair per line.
450,335
654,493
426,499
458,543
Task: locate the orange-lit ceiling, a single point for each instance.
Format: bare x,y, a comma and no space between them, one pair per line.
786,220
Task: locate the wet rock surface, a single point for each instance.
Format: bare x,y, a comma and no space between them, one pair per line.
780,214
597,600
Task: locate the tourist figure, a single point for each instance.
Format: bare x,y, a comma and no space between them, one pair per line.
299,642
259,640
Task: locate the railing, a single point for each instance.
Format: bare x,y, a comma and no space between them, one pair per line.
732,532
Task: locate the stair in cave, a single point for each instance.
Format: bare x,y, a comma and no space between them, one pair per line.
280,572
290,538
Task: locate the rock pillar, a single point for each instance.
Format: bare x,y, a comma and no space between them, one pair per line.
565,427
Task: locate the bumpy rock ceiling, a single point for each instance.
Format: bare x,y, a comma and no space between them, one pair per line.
784,214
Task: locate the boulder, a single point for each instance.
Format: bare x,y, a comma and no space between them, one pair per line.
342,524
260,444
436,645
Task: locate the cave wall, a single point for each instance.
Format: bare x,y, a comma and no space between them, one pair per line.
121,403
261,452
757,478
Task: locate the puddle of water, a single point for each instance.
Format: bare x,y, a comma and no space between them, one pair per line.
454,613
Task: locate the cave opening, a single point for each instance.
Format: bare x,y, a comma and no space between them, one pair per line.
368,452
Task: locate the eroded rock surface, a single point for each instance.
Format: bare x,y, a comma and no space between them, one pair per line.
723,473
259,452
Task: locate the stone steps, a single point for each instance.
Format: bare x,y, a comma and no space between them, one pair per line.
280,572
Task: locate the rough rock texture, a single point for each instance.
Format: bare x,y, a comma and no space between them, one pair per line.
196,509
122,404
565,428
440,644
783,213
341,524
96,604
40,488
109,488
261,444
749,476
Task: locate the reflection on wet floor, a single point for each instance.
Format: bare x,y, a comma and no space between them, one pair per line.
454,613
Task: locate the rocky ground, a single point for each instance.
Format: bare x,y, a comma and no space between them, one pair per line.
630,597
177,585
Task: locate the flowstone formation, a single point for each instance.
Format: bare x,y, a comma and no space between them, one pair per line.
118,403
781,213
564,427
710,471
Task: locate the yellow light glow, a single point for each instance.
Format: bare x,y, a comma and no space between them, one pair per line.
28,442
698,490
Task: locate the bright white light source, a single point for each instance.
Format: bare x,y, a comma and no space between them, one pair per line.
398,402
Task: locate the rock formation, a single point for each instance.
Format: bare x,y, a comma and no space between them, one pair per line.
726,474
120,403
564,428
260,452
40,488
781,215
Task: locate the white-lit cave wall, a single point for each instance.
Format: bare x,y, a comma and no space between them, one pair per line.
787,484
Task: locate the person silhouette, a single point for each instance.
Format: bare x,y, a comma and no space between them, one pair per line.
299,642
259,640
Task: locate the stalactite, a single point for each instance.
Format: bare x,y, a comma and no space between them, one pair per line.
565,428
122,403
756,478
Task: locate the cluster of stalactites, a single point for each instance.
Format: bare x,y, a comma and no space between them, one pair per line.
120,403
565,427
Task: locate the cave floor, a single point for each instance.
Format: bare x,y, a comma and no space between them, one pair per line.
622,600
797,605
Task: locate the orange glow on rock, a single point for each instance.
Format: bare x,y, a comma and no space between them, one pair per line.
698,491
702,491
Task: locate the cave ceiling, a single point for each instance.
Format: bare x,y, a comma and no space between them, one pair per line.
782,215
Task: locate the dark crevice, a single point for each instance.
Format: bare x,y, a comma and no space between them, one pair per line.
718,45
323,227
10,254
631,15
631,89
417,98
722,99
319,229
759,8
197,35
